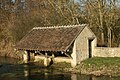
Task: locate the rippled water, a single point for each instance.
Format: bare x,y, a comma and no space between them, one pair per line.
11,70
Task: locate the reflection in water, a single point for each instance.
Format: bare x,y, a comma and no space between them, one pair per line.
11,70
6,61
46,73
73,77
80,77
85,77
26,72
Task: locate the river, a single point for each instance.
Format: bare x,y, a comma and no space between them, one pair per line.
11,70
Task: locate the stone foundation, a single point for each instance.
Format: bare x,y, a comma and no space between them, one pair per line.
56,59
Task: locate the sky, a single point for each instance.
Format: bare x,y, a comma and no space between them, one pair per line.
13,1
21,1
75,0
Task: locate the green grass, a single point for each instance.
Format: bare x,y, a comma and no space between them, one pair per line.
104,66
98,61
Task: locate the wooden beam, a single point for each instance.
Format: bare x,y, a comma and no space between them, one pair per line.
67,55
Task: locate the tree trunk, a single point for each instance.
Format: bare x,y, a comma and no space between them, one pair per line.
109,37
101,21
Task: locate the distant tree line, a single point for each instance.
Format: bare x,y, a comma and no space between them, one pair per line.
19,16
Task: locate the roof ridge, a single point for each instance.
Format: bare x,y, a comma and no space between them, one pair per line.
62,26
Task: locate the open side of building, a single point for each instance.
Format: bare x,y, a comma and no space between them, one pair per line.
72,44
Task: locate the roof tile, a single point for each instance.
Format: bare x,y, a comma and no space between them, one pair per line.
50,38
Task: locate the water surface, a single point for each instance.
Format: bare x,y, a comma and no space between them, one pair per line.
11,70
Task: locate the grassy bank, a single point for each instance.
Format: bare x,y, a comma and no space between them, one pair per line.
101,66
93,66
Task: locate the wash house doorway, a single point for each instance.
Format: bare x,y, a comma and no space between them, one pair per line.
90,47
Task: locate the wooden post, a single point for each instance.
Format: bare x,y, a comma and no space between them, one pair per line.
46,60
32,56
53,55
52,59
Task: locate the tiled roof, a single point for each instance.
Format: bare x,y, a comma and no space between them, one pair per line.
56,38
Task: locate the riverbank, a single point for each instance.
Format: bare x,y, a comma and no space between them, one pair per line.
11,53
101,66
11,69
93,66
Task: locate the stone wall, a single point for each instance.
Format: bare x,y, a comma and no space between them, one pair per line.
81,46
106,52
56,59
